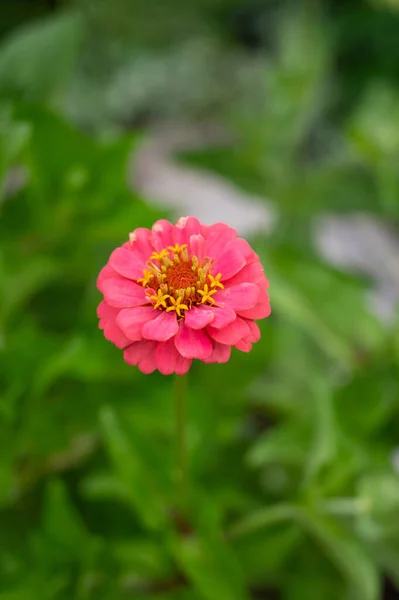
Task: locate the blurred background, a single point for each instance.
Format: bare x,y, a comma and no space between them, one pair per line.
280,118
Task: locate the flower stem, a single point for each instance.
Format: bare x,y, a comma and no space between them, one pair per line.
180,398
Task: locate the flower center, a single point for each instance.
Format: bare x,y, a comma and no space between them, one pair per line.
176,281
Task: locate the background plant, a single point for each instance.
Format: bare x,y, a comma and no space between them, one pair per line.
293,460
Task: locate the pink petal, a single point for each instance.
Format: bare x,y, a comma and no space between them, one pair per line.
231,334
239,297
229,262
140,242
126,263
185,228
217,237
113,334
166,356
193,343
243,345
252,273
182,365
169,360
162,328
141,354
162,235
255,331
198,318
148,364
220,354
261,310
123,293
132,321
106,273
106,311
223,315
197,246
246,250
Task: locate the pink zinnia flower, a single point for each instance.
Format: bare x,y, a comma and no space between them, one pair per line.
180,292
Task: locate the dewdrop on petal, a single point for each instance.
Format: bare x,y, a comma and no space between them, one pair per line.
181,292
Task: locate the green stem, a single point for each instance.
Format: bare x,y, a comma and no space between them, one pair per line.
180,397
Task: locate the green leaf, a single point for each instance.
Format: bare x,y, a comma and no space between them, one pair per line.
133,470
324,445
346,553
211,566
281,445
263,518
61,522
37,58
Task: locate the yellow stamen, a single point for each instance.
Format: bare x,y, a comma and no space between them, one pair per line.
176,249
215,281
159,255
146,279
207,294
160,299
184,254
167,262
176,305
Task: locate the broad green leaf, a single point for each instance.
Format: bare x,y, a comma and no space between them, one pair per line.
281,445
62,524
133,470
346,553
262,519
36,59
211,566
19,285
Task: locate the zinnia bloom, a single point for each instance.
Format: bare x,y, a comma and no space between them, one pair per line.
179,292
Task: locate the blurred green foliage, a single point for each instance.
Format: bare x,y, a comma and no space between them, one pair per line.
294,484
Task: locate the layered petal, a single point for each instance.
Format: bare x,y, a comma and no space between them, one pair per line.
112,332
169,360
106,273
185,228
127,263
141,244
197,246
220,354
255,331
166,357
141,354
250,273
122,293
239,297
217,236
243,345
231,334
193,344
198,318
229,262
261,310
132,320
222,315
162,234
162,328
